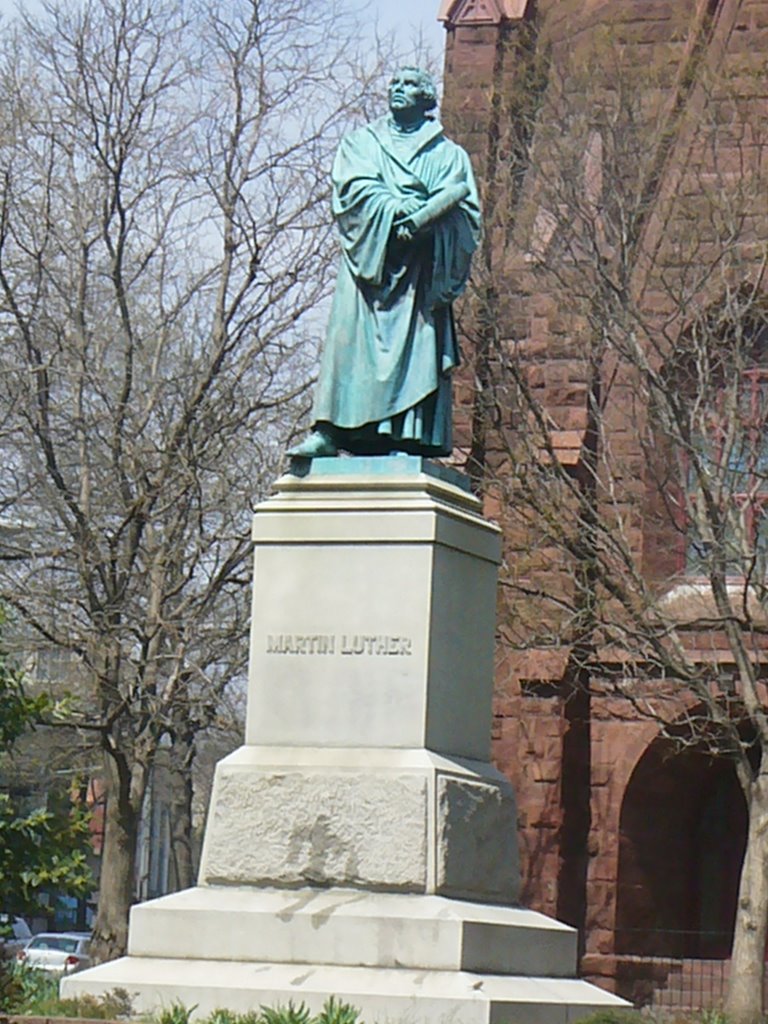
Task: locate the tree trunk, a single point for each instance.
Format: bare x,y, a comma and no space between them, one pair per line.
118,864
744,1002
182,841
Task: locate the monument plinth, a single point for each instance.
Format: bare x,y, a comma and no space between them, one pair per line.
368,729
360,844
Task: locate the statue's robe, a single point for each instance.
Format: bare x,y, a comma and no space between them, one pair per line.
391,342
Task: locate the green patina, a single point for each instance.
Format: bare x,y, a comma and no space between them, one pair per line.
407,210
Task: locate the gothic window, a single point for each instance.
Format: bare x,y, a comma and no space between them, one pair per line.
727,479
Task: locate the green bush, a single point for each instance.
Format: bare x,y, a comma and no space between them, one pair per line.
115,1005
24,990
336,1012
176,1013
713,1016
333,1012
289,1014
230,1017
611,1016
614,1016
10,989
27,991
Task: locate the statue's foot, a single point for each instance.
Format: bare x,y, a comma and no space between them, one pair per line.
314,445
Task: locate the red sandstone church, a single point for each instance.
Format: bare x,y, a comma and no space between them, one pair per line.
619,144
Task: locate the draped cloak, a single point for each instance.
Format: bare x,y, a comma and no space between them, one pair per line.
391,342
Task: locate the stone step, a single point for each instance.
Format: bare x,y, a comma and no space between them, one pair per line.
347,927
381,994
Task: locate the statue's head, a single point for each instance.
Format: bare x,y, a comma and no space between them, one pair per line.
411,87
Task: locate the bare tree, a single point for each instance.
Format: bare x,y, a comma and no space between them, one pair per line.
639,547
164,248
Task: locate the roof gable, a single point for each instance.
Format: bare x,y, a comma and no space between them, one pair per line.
481,12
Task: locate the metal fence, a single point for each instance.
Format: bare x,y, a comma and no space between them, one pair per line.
673,970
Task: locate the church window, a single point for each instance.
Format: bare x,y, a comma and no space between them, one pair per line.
727,479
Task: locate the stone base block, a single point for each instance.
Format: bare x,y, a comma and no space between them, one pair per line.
395,957
351,929
383,995
377,819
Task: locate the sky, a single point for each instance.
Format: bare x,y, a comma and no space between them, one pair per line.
401,16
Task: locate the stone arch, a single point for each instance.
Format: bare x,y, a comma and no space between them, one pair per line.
682,832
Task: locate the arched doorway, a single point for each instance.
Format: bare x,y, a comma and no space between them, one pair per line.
681,843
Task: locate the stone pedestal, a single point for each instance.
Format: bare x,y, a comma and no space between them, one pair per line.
367,749
360,844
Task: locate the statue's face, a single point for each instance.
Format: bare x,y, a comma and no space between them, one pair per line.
405,91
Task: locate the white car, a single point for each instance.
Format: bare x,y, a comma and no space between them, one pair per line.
58,952
14,934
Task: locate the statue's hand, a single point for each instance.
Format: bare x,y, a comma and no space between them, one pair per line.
405,232
408,207
437,206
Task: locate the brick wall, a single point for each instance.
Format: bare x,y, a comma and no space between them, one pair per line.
706,64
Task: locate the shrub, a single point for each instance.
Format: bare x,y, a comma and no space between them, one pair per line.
333,1012
176,1013
23,988
32,992
612,1016
336,1012
290,1014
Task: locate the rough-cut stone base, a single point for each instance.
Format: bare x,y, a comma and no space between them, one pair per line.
396,957
387,820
